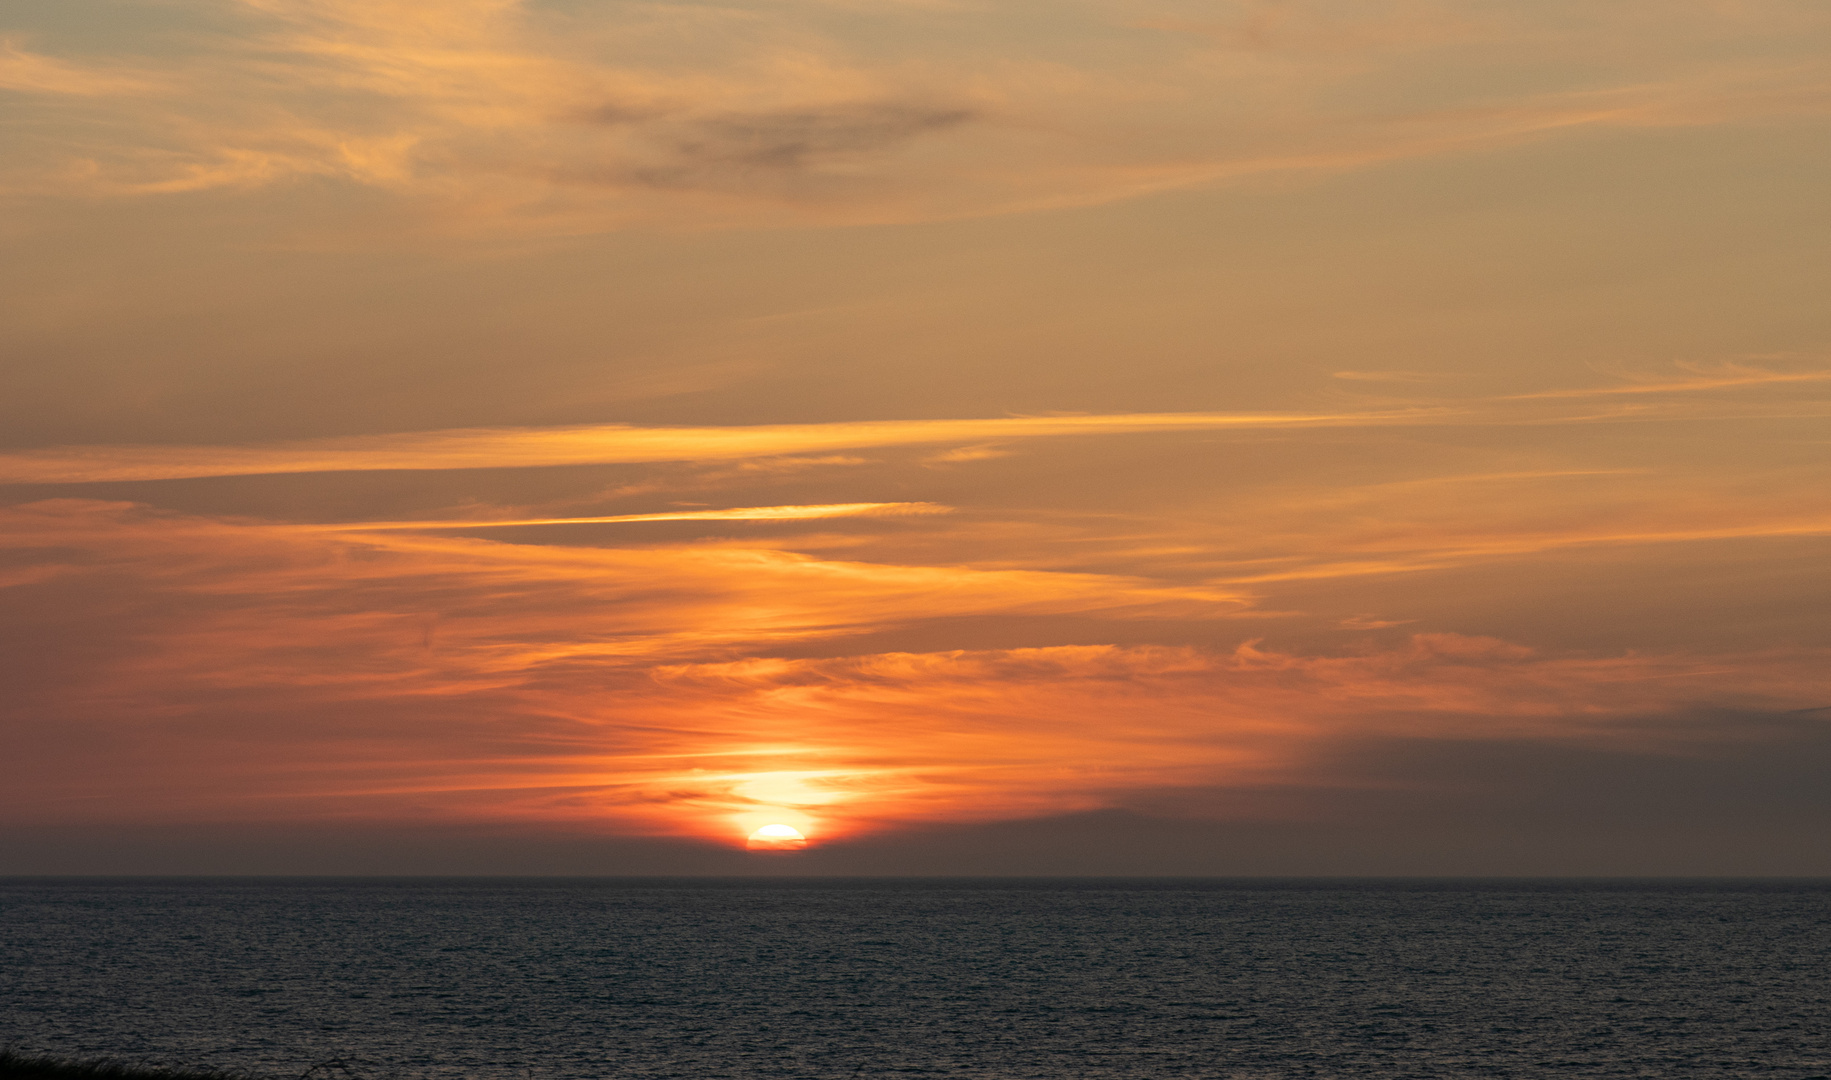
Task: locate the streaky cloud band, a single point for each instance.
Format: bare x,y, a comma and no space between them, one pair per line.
613,444
742,513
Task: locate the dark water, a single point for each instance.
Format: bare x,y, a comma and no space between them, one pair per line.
588,979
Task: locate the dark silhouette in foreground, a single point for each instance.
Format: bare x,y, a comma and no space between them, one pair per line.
16,1066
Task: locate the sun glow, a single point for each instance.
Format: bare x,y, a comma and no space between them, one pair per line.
791,788
776,838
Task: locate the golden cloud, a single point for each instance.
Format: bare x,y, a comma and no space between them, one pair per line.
499,114
485,448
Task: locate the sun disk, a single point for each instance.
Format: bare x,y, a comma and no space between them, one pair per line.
776,838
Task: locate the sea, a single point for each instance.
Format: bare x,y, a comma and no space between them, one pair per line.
575,979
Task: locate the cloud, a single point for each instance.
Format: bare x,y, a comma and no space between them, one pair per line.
32,73
964,454
747,513
314,673
176,668
508,116
1722,376
481,448
614,443
1432,548
1024,732
788,145
1371,622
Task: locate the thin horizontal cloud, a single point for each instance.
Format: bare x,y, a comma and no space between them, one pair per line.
488,448
787,143
745,513
1718,377
1437,550
666,599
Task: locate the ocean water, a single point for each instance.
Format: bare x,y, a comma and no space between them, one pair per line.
575,979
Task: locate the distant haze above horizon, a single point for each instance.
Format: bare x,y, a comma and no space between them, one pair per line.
984,436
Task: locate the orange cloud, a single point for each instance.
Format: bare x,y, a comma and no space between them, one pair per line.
33,73
222,671
746,513
770,447
987,735
613,443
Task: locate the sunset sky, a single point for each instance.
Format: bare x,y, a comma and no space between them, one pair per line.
987,436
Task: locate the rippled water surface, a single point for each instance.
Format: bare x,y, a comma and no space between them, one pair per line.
597,979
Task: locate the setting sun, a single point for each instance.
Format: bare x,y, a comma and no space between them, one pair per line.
776,838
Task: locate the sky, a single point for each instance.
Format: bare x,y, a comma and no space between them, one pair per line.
1186,437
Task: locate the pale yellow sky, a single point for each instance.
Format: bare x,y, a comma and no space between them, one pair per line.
896,414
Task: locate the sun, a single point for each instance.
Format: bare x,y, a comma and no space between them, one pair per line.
776,838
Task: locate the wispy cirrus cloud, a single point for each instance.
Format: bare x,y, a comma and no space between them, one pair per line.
619,443
506,114
745,513
1699,377
1695,397
24,71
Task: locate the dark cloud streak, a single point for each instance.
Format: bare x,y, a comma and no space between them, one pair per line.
737,149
